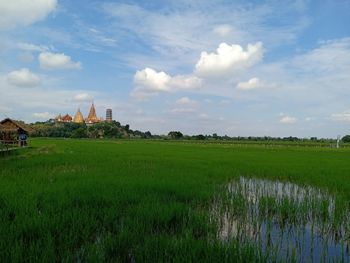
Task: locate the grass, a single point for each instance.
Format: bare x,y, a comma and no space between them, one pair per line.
142,201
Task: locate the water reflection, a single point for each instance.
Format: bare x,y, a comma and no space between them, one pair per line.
286,221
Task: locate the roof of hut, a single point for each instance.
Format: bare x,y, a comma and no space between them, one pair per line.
10,125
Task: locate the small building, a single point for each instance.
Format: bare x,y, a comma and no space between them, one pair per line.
58,118
67,118
14,132
109,117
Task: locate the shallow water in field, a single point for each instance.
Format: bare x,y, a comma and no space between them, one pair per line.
286,221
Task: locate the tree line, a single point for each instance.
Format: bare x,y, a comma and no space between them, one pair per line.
80,130
115,130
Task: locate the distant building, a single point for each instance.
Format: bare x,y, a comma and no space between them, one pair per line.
109,117
78,118
67,118
14,132
58,118
92,118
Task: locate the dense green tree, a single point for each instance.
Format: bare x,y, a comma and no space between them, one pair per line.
175,135
199,137
346,138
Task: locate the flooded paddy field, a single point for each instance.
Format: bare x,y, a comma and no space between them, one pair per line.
157,201
284,221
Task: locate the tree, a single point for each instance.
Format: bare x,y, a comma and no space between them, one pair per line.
199,137
79,133
175,135
346,138
148,134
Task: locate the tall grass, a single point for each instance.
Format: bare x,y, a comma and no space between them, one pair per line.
142,201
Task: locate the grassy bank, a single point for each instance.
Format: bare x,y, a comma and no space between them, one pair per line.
148,201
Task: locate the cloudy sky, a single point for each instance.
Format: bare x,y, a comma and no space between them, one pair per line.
275,68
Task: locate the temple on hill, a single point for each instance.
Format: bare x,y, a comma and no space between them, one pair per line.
79,118
92,118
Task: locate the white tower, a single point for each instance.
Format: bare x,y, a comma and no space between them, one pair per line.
338,141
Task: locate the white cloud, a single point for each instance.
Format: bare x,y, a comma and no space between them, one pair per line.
331,57
23,12
50,60
288,120
152,80
228,59
43,115
253,83
31,47
149,82
186,101
83,97
179,32
23,78
185,105
343,116
185,82
223,30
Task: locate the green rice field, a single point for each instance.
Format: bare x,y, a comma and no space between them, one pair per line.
174,201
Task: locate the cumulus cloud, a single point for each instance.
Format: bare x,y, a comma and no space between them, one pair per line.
253,83
83,97
228,59
343,116
185,82
23,12
288,120
223,30
149,82
152,80
43,115
23,78
50,60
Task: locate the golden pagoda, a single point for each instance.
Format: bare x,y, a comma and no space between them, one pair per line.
78,118
92,118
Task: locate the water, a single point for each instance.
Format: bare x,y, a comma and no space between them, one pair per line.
284,220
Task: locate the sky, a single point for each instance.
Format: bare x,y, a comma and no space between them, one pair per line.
237,68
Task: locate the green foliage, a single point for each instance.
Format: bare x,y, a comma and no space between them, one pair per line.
77,130
346,138
148,201
175,135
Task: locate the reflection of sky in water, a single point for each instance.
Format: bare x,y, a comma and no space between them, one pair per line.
305,230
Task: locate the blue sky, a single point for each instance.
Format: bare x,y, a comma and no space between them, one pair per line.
274,68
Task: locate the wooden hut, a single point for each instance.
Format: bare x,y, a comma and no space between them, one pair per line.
14,132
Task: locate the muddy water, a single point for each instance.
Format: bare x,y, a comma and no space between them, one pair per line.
284,220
